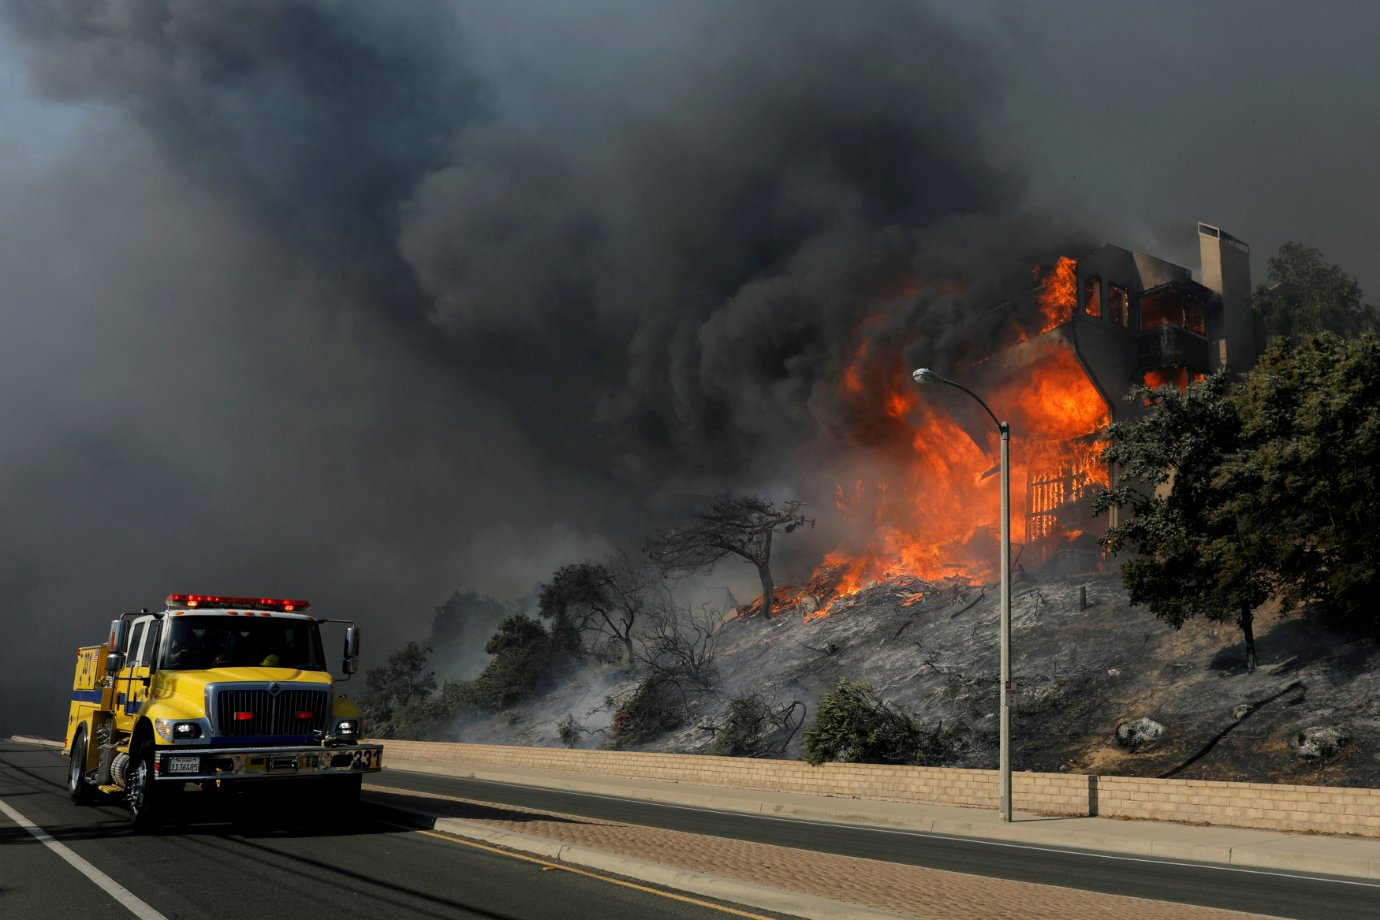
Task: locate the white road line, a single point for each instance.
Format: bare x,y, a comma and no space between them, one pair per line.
107,884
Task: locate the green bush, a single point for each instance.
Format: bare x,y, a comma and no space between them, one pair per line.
523,659
854,725
746,720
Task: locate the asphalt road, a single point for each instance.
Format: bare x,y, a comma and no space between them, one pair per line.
1278,894
231,859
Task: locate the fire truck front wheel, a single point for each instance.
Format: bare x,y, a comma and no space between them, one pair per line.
78,789
142,796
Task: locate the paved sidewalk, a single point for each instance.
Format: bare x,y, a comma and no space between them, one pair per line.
1357,857
782,879
829,887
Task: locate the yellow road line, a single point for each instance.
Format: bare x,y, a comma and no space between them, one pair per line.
545,864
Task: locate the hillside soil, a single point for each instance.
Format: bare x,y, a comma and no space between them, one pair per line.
1307,714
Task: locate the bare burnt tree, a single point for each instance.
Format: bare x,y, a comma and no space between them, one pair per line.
675,660
733,525
602,600
680,644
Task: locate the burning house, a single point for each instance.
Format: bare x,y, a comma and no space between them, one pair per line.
1104,323
1122,318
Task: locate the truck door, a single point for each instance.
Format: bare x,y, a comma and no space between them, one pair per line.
132,684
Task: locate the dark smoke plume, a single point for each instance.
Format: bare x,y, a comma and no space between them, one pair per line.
370,304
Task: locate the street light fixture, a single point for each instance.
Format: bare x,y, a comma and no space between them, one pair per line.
925,376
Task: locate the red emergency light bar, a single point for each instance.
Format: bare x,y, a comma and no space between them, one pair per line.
220,601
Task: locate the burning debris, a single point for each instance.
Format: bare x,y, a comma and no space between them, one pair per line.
821,597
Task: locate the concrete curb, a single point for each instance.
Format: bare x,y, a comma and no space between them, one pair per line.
1247,848
25,739
1244,847
710,886
831,812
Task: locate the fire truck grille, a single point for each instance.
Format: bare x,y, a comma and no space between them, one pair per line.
261,712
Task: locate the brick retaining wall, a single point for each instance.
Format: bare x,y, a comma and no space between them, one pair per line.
1270,806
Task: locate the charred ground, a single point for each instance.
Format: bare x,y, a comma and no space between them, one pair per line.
1086,677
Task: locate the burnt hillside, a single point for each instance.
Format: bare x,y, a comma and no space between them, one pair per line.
1081,674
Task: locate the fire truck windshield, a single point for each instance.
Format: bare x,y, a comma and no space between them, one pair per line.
196,643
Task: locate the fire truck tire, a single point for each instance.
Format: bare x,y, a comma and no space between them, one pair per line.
142,797
78,789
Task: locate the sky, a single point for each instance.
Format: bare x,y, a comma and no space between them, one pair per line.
316,300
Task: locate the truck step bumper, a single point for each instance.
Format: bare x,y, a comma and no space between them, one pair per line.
189,764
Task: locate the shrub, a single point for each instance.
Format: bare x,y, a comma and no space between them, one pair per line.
754,728
854,725
745,721
655,706
570,731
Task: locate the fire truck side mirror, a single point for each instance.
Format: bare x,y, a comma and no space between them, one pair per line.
351,663
115,656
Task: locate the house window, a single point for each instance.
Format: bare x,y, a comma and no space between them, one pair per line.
1118,305
1167,306
1092,296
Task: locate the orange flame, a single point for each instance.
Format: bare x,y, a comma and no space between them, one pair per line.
1058,293
927,502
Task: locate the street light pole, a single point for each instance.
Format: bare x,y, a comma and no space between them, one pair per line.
925,375
1007,691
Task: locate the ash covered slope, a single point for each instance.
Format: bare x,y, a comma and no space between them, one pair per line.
1080,674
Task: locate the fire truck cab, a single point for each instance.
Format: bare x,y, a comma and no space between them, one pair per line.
213,690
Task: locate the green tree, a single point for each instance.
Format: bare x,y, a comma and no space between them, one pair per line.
1193,556
741,526
523,659
1306,295
592,600
395,704
1306,480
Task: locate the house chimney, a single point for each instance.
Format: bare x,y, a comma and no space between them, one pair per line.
1226,265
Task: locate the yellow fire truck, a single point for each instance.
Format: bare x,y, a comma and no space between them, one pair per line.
213,690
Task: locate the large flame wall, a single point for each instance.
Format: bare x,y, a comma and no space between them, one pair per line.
927,502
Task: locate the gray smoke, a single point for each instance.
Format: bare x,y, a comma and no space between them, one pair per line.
328,304
370,305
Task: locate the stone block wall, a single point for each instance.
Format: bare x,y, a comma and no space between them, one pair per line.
1321,809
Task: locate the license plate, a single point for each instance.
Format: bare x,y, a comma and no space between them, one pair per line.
184,764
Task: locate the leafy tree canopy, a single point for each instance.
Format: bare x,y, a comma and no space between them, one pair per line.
398,701
523,658
596,600
1306,478
404,678
1306,295
1192,560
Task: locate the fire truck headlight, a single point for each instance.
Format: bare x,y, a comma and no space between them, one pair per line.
169,730
347,726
